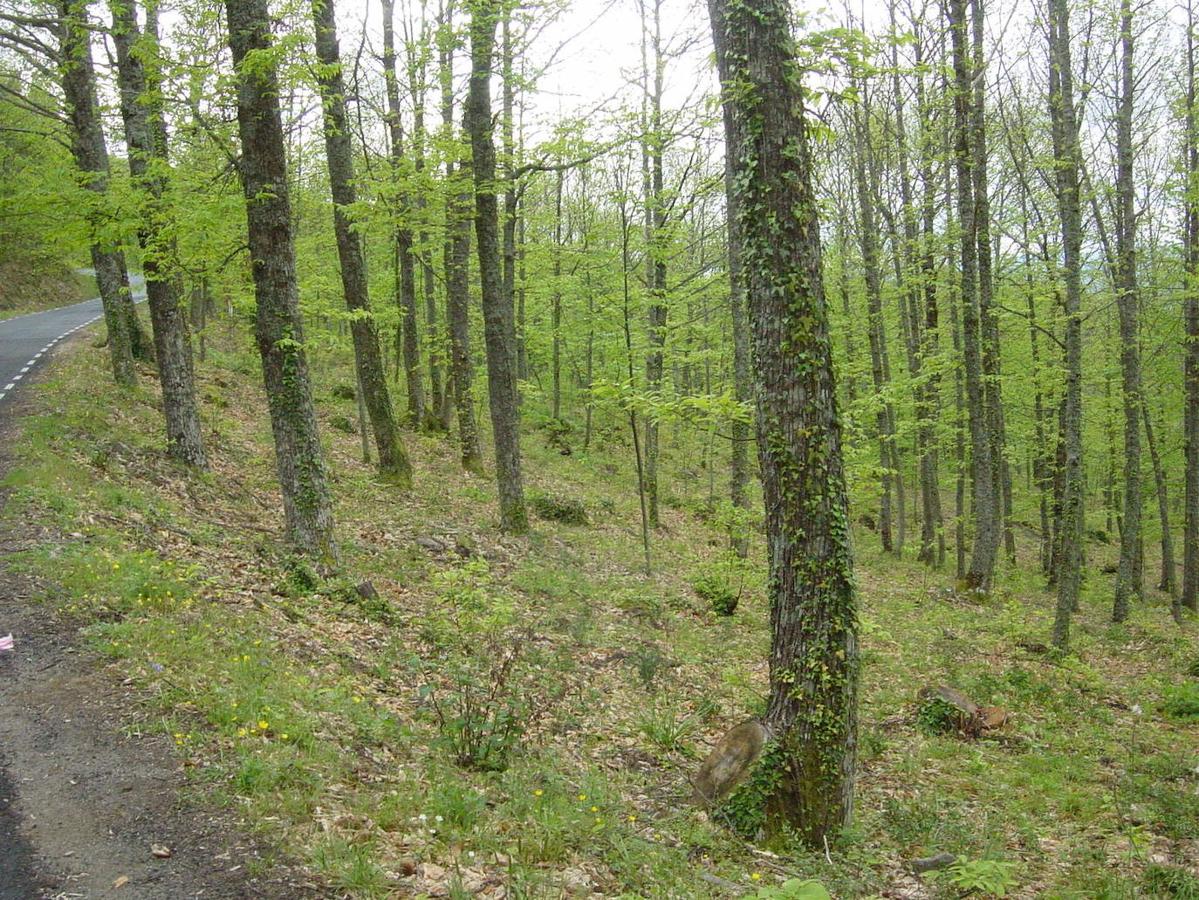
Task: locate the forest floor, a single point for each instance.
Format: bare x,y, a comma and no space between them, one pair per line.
86,791
332,716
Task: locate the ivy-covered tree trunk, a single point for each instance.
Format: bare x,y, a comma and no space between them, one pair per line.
804,780
368,358
499,330
1129,573
403,261
1067,162
91,157
277,327
146,139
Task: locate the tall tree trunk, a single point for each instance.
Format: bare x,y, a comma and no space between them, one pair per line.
438,418
653,149
91,158
930,333
404,264
512,215
742,385
868,239
1166,582
1129,575
959,443
456,254
368,359
1041,463
556,303
280,336
146,139
985,490
910,301
1190,528
988,323
499,332
1067,161
807,769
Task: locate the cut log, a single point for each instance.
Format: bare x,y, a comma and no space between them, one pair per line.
729,763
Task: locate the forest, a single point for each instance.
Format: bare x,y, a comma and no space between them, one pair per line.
632,448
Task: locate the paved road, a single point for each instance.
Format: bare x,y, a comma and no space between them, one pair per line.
26,341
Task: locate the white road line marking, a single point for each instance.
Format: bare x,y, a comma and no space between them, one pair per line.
10,386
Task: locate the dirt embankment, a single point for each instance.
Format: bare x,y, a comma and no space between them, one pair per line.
28,284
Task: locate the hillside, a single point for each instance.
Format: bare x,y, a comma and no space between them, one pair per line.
30,283
327,712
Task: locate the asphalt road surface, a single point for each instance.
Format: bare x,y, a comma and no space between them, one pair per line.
26,341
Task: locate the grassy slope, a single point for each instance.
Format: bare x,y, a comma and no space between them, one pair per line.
29,284
301,706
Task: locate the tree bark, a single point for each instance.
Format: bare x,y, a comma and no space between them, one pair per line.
499,331
988,322
1166,582
655,256
742,385
1067,162
368,359
91,158
912,274
278,330
403,262
1190,532
146,139
1129,574
868,240
456,256
808,768
556,303
985,491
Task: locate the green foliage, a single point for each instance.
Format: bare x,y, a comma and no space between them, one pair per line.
1170,881
985,877
485,680
794,889
1163,787
935,715
1181,701
343,424
648,662
744,811
667,728
567,510
721,582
